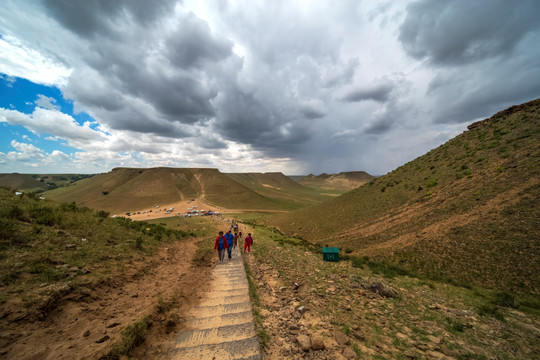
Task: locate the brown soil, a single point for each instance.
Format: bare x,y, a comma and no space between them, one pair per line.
181,207
87,322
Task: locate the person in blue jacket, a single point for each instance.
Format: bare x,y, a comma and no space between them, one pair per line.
230,241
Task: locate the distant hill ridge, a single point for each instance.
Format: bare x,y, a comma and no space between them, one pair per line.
128,189
343,181
466,211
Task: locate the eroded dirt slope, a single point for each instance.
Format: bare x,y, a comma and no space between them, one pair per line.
88,322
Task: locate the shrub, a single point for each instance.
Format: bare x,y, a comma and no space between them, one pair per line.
9,232
132,336
103,214
357,262
43,215
505,299
139,242
490,310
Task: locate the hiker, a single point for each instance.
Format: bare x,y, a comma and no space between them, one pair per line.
235,240
240,240
220,246
230,242
247,243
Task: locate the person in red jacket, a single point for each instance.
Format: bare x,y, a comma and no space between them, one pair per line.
220,245
248,241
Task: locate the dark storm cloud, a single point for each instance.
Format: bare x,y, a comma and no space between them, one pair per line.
341,75
264,123
486,94
379,93
87,18
173,70
138,122
192,44
381,126
211,143
464,31
312,111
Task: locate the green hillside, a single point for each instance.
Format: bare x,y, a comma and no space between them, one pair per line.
128,189
38,182
280,189
342,182
465,212
43,243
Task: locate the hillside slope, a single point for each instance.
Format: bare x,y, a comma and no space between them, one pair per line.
125,189
466,211
345,181
280,188
38,182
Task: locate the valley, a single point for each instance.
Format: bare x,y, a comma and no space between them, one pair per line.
438,258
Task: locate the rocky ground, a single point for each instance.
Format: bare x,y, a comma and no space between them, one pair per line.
310,309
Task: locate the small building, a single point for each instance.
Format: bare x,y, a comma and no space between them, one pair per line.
330,253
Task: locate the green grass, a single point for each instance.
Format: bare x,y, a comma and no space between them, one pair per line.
468,318
132,336
262,333
43,242
39,182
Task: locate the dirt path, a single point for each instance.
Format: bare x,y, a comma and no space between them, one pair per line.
89,321
221,326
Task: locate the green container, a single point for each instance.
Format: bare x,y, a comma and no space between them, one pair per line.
330,253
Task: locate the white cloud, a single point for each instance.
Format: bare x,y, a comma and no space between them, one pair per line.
22,61
46,121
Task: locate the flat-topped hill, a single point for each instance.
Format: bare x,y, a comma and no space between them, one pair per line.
128,189
134,188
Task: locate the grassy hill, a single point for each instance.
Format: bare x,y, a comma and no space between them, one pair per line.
44,243
127,189
344,181
38,182
465,212
280,188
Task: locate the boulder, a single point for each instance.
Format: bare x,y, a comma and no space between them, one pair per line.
341,338
349,353
304,341
317,343
381,289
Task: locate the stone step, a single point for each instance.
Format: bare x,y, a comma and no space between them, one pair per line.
216,335
221,326
199,323
219,309
245,349
226,293
234,299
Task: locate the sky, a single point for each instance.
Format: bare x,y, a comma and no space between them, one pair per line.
298,87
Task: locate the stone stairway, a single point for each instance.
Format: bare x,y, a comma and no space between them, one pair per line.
221,326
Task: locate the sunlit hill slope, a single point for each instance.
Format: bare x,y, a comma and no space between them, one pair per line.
467,211
345,181
129,189
283,190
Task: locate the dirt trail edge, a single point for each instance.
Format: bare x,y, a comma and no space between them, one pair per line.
221,326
